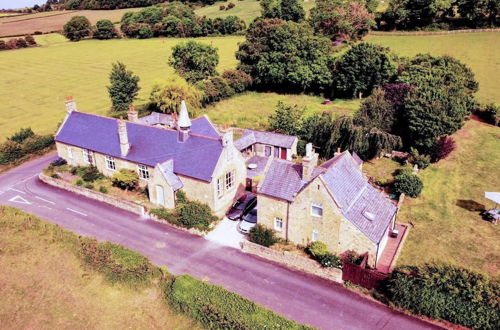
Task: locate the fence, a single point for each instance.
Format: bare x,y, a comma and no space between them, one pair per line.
358,274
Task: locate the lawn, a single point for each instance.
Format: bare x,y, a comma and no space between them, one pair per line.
258,106
45,286
480,51
444,230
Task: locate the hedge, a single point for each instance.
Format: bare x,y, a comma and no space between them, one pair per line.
447,292
22,144
217,308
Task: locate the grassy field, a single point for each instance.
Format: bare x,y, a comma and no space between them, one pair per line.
246,10
444,230
45,286
54,21
258,106
480,51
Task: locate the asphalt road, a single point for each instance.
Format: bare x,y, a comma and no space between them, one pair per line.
296,295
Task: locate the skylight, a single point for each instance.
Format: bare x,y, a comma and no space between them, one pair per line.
370,216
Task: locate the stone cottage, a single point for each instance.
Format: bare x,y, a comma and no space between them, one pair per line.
190,154
333,203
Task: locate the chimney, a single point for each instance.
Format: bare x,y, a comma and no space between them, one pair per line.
227,137
338,152
122,133
184,123
309,162
133,116
70,105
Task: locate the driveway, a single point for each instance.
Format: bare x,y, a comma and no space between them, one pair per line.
296,295
226,233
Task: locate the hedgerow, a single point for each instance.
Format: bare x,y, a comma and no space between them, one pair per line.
22,144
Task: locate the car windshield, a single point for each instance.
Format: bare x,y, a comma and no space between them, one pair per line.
251,217
239,205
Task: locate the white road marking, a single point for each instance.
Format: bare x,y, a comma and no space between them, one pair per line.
19,191
28,178
81,213
19,199
45,200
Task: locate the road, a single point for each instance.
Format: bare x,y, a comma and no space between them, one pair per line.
298,296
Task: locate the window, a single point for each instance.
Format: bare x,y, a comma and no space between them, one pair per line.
278,224
220,187
110,163
315,235
70,152
267,151
277,152
317,209
143,172
88,157
229,180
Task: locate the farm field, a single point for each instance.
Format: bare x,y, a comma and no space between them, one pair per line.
53,21
444,229
480,51
45,286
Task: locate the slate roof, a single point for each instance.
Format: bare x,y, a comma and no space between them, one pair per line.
261,164
156,118
196,157
167,169
357,159
250,137
200,125
346,182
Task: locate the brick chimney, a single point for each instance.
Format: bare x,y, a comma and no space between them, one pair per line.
70,105
133,116
122,133
309,162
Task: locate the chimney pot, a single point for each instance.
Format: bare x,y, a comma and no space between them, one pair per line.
70,104
133,116
309,162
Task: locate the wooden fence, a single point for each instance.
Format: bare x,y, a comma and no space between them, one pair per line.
360,275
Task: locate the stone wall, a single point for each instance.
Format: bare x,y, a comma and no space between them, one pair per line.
124,205
294,261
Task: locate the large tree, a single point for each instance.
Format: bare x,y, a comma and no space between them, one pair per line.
341,20
167,95
363,68
480,12
411,14
104,29
285,55
77,28
194,61
287,10
124,87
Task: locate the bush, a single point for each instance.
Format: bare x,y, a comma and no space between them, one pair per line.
490,113
422,161
89,186
58,162
237,80
103,190
37,142
352,257
230,5
3,45
55,176
222,7
195,215
317,249
215,89
116,262
12,44
446,292
79,182
408,184
125,179
262,235
22,135
91,174
217,308
443,148
166,215
77,28
30,40
21,43
330,260
181,196
104,29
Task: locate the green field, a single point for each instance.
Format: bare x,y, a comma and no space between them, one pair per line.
481,51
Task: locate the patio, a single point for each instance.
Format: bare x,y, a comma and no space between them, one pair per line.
390,254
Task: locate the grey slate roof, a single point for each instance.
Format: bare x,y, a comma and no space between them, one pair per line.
250,137
196,157
261,164
346,182
357,159
200,125
156,118
167,169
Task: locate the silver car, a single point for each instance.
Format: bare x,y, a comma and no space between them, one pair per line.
248,222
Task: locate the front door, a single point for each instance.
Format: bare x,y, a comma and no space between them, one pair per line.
283,153
160,196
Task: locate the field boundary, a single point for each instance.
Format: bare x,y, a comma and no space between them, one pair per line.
32,18
429,33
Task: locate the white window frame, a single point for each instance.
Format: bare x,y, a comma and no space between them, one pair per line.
143,172
278,224
229,180
110,163
220,187
88,156
270,148
70,152
315,205
315,235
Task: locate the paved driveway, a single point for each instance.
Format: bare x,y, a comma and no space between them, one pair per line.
226,233
298,296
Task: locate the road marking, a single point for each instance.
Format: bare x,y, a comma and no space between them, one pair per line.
45,200
19,191
81,213
19,199
28,178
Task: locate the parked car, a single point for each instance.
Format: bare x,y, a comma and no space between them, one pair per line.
242,206
249,221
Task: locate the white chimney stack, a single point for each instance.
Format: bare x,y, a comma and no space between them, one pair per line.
122,133
70,105
309,162
133,116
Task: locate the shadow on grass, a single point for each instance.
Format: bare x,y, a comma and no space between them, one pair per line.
471,205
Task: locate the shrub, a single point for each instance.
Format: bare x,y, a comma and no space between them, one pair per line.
489,113
10,151
22,135
89,186
55,176
125,179
79,182
3,45
58,162
217,308
167,215
230,5
446,292
12,44
422,161
21,43
104,29
181,196
103,190
262,235
195,215
319,252
77,28
408,184
352,257
237,80
215,89
443,148
317,249
222,7
330,260
37,142
91,174
145,32
116,262
30,40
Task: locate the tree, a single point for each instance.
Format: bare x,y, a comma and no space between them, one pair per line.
341,20
363,68
30,40
443,148
287,10
194,61
214,89
238,80
124,87
412,14
104,29
479,12
77,28
376,111
286,119
167,95
408,184
285,56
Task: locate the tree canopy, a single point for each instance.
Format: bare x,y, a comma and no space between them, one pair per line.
77,28
166,95
123,88
287,10
104,29
194,61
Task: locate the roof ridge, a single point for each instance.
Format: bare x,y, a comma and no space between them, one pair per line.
272,132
